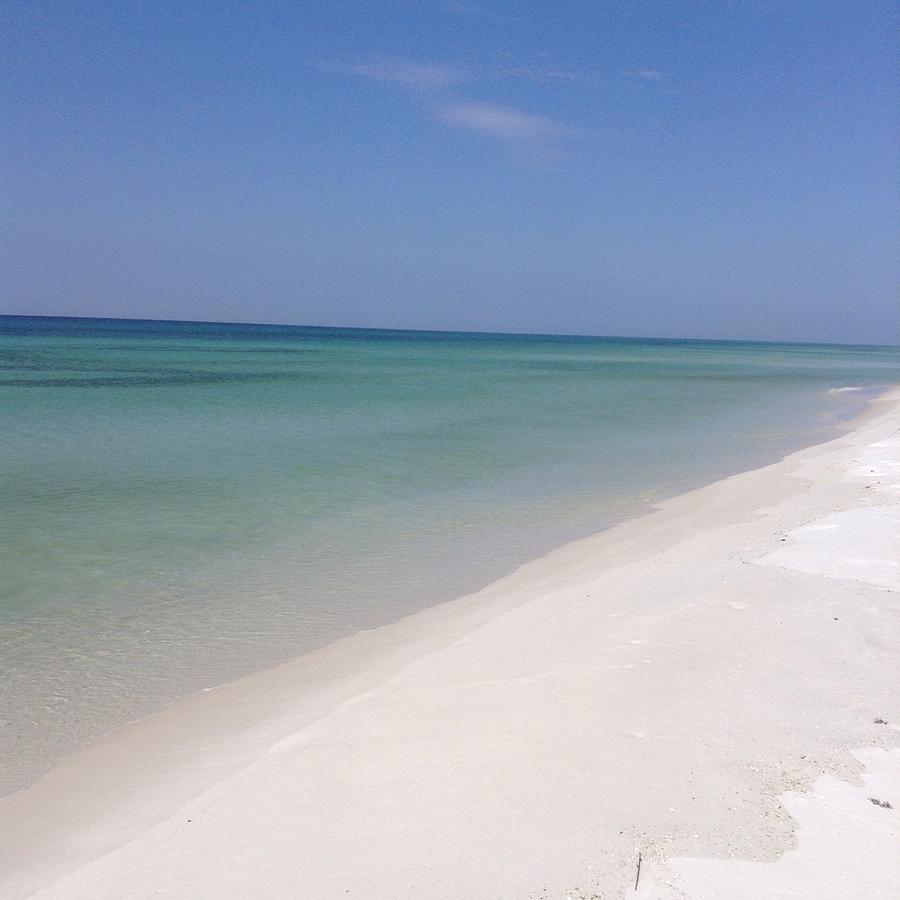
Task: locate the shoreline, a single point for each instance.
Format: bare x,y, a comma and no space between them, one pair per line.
475,670
35,745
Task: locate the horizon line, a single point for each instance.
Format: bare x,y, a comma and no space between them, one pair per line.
533,334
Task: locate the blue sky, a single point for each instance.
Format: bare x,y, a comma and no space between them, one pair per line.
696,169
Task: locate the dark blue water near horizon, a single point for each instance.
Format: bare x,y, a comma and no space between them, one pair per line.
88,326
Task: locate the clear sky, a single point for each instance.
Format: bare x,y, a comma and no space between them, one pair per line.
701,168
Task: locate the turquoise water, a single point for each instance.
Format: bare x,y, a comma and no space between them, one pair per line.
183,503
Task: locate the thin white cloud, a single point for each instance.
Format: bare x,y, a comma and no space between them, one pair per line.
500,122
431,76
411,75
648,74
546,75
534,139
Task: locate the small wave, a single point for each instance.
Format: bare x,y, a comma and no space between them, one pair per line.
843,390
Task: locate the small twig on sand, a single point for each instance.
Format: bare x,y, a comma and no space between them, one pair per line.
637,877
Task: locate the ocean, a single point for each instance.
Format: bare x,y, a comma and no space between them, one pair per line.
183,503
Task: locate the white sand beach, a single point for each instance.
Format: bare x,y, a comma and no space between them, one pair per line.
710,690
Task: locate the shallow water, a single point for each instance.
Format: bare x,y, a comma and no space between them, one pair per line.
183,503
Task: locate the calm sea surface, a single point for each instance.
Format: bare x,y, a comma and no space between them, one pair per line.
182,503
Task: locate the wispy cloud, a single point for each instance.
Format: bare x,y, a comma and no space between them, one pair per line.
433,76
531,137
411,75
546,75
501,122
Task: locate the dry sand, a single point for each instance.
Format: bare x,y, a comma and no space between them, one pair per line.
713,686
